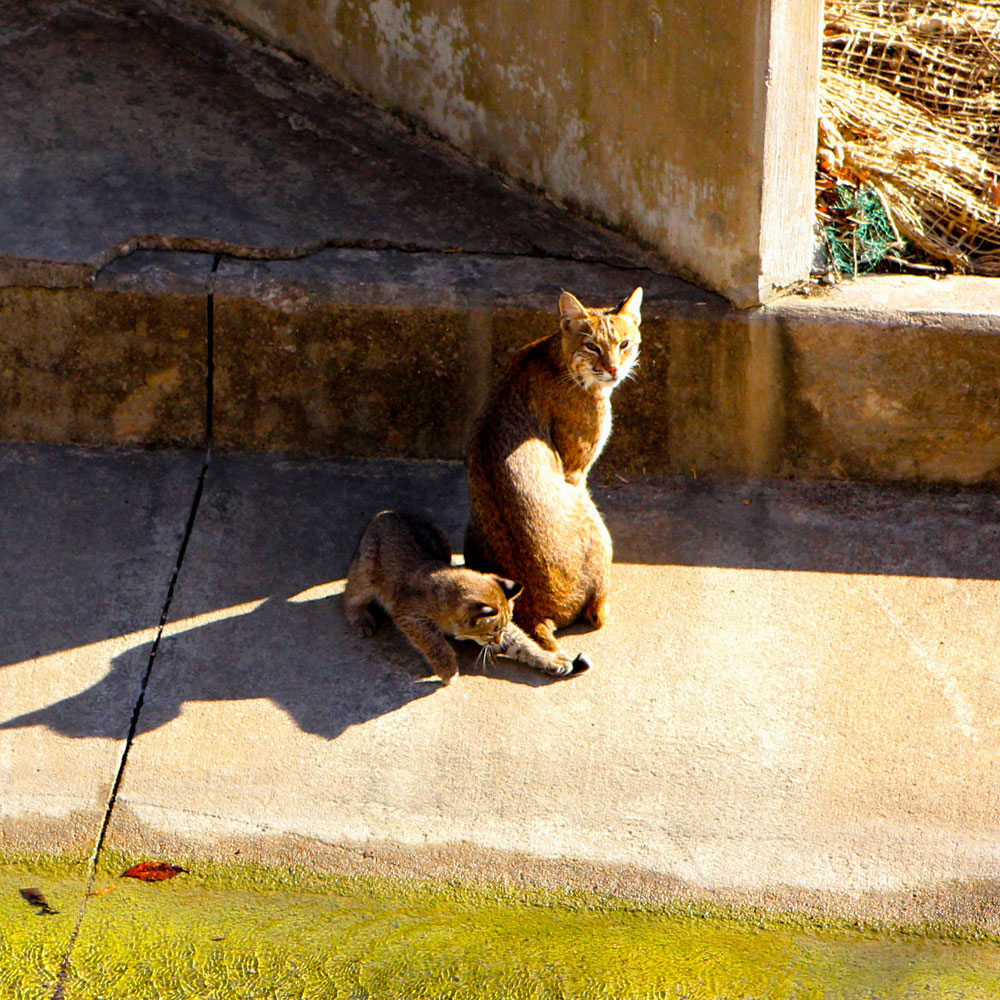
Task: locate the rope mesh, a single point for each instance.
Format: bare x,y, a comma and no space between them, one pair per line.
909,118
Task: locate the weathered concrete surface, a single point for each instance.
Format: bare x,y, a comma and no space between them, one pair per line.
88,368
356,353
888,379
892,379
692,126
89,541
413,275
795,703
131,124
880,381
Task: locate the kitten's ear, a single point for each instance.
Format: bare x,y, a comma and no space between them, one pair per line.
570,309
630,306
509,587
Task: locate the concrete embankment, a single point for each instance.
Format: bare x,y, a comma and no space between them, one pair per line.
795,702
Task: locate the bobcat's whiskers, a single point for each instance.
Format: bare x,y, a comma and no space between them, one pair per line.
487,658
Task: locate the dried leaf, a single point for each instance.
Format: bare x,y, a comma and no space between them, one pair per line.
153,871
35,898
102,892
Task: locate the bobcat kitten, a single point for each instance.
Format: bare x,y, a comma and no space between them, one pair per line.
541,430
403,564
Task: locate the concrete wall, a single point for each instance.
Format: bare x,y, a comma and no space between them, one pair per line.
690,124
888,380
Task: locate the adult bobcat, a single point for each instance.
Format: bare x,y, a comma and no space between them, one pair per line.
532,518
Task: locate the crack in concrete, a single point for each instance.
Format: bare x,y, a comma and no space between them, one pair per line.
129,739
154,649
237,251
210,359
37,273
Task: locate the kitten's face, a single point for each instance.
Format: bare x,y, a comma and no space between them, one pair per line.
600,346
482,606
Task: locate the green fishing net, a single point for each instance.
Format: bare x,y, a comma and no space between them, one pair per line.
861,234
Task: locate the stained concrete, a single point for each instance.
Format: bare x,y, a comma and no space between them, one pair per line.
185,134
186,200
90,541
78,367
912,398
794,704
691,125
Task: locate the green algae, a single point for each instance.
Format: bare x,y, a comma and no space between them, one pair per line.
251,931
33,944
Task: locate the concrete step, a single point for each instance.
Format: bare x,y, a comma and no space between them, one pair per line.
205,238
794,704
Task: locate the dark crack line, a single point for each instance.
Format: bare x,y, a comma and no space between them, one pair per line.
224,248
210,359
133,725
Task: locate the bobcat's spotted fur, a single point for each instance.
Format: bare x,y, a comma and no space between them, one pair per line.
403,564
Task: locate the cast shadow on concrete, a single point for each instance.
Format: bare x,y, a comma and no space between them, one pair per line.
298,654
824,527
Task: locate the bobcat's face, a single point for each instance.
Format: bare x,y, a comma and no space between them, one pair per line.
480,605
600,346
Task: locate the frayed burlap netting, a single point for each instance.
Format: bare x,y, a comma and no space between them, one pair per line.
910,110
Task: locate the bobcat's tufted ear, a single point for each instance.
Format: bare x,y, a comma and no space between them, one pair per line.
509,587
630,306
570,309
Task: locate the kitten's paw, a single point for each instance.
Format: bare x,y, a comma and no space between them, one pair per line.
565,666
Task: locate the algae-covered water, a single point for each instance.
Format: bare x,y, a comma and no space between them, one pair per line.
242,932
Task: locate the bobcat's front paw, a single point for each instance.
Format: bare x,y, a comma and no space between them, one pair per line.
573,667
445,678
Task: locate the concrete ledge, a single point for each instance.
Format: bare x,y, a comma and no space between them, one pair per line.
88,367
893,378
384,353
355,295
391,354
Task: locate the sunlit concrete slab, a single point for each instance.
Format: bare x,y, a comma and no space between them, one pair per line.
794,704
89,542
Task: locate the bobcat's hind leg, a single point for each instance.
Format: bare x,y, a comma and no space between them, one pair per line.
595,611
533,616
357,598
544,633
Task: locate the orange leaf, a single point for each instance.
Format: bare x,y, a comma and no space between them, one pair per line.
153,871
